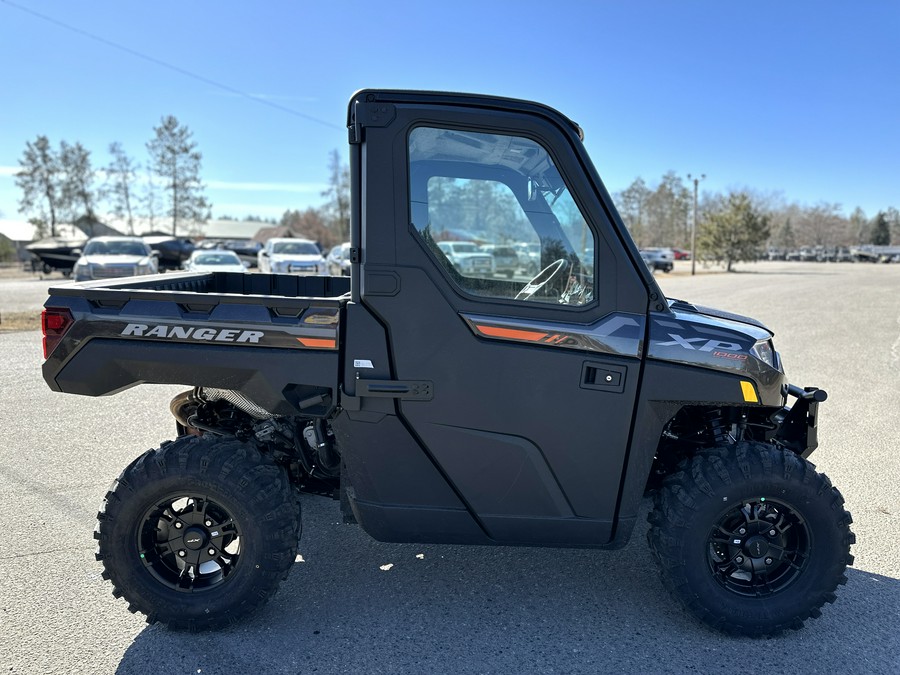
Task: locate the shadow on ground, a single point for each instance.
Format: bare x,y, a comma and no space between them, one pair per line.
503,610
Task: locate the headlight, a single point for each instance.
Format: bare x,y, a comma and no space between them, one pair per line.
81,271
765,352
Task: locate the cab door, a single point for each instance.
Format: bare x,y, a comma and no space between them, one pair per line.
521,389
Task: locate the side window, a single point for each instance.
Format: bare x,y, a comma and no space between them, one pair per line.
496,215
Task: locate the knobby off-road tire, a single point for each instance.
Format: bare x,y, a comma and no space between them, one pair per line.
750,538
199,532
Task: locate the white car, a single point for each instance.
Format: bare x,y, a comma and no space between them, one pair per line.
339,260
114,257
468,258
215,261
291,256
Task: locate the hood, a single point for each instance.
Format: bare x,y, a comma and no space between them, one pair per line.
218,268
113,260
710,338
307,258
713,313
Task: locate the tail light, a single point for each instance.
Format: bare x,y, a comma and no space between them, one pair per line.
54,324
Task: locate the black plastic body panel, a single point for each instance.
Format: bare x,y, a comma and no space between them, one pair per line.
258,334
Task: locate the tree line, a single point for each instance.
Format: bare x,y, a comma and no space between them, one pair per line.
738,225
58,184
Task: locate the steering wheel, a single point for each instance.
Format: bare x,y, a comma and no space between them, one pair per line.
542,278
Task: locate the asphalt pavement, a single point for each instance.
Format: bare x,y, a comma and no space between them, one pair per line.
454,609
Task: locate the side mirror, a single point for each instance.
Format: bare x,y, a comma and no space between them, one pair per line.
155,254
264,253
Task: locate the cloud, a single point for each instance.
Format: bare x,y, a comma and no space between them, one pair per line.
240,186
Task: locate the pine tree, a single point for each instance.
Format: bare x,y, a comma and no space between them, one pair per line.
881,231
733,232
175,159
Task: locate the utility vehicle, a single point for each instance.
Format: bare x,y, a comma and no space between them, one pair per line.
446,405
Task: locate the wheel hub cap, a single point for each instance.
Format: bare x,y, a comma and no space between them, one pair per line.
756,547
195,538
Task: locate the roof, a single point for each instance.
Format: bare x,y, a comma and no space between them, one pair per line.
16,230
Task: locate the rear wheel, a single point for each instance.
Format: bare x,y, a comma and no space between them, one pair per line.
199,532
750,538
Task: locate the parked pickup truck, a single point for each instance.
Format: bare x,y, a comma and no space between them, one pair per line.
444,404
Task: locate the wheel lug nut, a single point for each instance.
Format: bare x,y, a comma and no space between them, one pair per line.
208,523
772,533
212,551
739,560
181,554
769,561
743,530
178,525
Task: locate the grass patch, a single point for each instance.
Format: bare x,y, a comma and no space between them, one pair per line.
16,321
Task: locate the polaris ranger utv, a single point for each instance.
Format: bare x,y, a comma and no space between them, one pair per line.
456,406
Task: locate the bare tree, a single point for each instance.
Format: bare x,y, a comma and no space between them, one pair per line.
78,194
632,205
337,208
667,211
39,180
121,173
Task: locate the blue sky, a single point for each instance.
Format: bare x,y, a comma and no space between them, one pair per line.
801,98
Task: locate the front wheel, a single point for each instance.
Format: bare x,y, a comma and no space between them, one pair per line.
199,532
750,538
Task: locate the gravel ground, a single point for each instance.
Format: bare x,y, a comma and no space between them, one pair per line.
458,609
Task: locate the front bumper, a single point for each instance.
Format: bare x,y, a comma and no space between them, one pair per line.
797,426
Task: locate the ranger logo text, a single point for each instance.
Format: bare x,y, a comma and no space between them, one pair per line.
190,332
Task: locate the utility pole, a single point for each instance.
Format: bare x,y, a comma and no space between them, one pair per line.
694,223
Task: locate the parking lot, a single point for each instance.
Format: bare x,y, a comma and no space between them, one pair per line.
453,609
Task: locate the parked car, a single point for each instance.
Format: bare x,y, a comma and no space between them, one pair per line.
681,254
529,256
658,259
112,257
291,256
339,260
843,255
468,258
506,260
215,261
172,252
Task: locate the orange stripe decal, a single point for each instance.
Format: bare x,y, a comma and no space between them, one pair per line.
318,343
511,333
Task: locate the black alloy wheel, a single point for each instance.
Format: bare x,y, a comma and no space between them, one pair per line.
758,548
189,542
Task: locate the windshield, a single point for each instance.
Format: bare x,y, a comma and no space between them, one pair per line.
221,258
465,248
295,248
115,248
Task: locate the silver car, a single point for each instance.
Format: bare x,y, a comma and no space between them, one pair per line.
114,257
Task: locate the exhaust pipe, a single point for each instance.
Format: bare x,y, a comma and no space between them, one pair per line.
184,406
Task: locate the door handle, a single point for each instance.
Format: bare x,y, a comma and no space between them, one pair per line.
407,390
603,376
